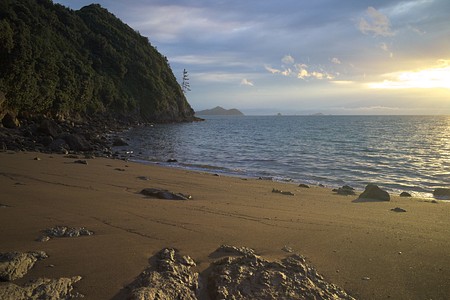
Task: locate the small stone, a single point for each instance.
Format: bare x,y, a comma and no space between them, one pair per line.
119,169
37,158
287,249
172,160
282,192
405,194
365,278
302,185
143,178
81,161
398,209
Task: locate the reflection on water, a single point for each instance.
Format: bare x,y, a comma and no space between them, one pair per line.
398,152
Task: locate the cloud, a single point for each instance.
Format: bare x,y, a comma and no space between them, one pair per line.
376,23
271,70
336,61
430,78
287,59
245,81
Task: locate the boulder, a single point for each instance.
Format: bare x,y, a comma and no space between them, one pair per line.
14,265
373,192
9,120
42,288
442,193
77,142
164,194
252,277
405,194
345,190
50,128
171,276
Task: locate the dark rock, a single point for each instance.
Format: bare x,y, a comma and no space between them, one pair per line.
49,127
81,162
442,193
170,277
398,209
14,265
119,142
10,121
235,250
345,190
282,192
59,146
373,192
172,160
143,178
302,185
164,194
405,194
64,231
42,288
77,142
252,277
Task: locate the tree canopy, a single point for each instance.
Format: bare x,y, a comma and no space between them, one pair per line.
60,61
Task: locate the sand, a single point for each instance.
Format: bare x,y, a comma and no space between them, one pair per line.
364,247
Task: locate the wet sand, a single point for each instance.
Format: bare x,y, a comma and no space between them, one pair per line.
362,246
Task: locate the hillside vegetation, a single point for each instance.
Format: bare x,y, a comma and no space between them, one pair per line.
61,62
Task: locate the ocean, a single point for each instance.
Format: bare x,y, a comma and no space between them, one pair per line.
399,153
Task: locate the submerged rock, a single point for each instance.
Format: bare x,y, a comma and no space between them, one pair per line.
42,288
373,192
442,193
170,277
252,277
14,265
164,194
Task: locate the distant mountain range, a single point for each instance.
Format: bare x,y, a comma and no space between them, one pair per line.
219,111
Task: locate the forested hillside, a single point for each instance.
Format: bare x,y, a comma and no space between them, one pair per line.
62,62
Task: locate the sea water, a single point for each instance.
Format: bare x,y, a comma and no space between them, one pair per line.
399,153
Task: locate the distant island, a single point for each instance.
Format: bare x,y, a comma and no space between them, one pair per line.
219,111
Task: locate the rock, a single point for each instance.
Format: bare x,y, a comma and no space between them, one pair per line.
64,231
10,121
164,194
345,190
119,142
373,192
59,146
405,194
81,162
287,249
77,142
14,265
302,185
172,160
50,128
235,250
252,277
398,209
171,276
442,193
42,288
282,192
143,178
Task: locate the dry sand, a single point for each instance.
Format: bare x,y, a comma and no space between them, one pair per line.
364,247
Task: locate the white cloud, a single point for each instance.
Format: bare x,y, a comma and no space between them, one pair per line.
336,61
288,59
272,70
245,81
376,23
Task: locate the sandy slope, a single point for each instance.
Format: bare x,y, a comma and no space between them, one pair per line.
405,255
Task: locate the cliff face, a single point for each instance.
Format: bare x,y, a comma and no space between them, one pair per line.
57,61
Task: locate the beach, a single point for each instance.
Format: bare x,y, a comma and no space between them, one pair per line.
362,246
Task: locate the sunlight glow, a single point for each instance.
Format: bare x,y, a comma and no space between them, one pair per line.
436,77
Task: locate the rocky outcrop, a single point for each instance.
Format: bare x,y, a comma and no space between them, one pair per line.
14,265
43,288
164,194
64,231
373,192
252,277
170,277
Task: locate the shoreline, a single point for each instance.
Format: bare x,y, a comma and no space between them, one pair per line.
404,255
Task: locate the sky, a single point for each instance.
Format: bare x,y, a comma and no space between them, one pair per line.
344,57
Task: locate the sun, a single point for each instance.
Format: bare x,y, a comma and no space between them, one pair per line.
437,77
